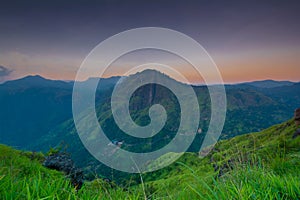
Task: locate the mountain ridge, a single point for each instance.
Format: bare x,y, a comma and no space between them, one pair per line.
35,113
265,83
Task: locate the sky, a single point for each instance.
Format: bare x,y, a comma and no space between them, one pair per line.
248,40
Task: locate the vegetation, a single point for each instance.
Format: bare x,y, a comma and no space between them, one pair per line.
263,165
41,109
250,109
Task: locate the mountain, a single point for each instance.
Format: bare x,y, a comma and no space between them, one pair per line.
36,113
284,94
35,81
258,165
248,110
269,83
32,106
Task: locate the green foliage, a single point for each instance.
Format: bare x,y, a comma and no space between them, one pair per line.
54,150
249,183
22,178
264,165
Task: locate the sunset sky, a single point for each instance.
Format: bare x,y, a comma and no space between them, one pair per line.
248,40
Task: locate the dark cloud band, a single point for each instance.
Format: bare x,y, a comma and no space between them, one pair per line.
4,71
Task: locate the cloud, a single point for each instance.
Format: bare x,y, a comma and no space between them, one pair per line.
4,71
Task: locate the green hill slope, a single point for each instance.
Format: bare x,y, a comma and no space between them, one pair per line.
22,176
248,110
263,165
36,112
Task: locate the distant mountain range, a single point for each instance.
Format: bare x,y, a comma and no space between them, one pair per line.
269,83
32,106
36,113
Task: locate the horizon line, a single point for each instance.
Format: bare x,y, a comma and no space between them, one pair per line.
114,76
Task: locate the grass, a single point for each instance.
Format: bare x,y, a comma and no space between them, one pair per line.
249,183
264,165
22,177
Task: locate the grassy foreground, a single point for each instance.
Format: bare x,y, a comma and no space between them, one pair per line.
264,165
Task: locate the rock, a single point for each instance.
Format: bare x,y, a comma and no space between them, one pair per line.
216,167
63,162
297,116
60,162
77,178
226,167
296,134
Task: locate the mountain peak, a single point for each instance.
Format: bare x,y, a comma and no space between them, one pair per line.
269,83
152,73
35,81
33,77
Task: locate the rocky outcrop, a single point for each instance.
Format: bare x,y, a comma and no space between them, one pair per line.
63,162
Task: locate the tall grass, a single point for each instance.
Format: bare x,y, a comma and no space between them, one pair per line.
264,166
251,183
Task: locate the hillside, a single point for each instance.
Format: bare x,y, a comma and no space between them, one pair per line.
262,165
269,83
30,107
33,108
36,115
248,110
